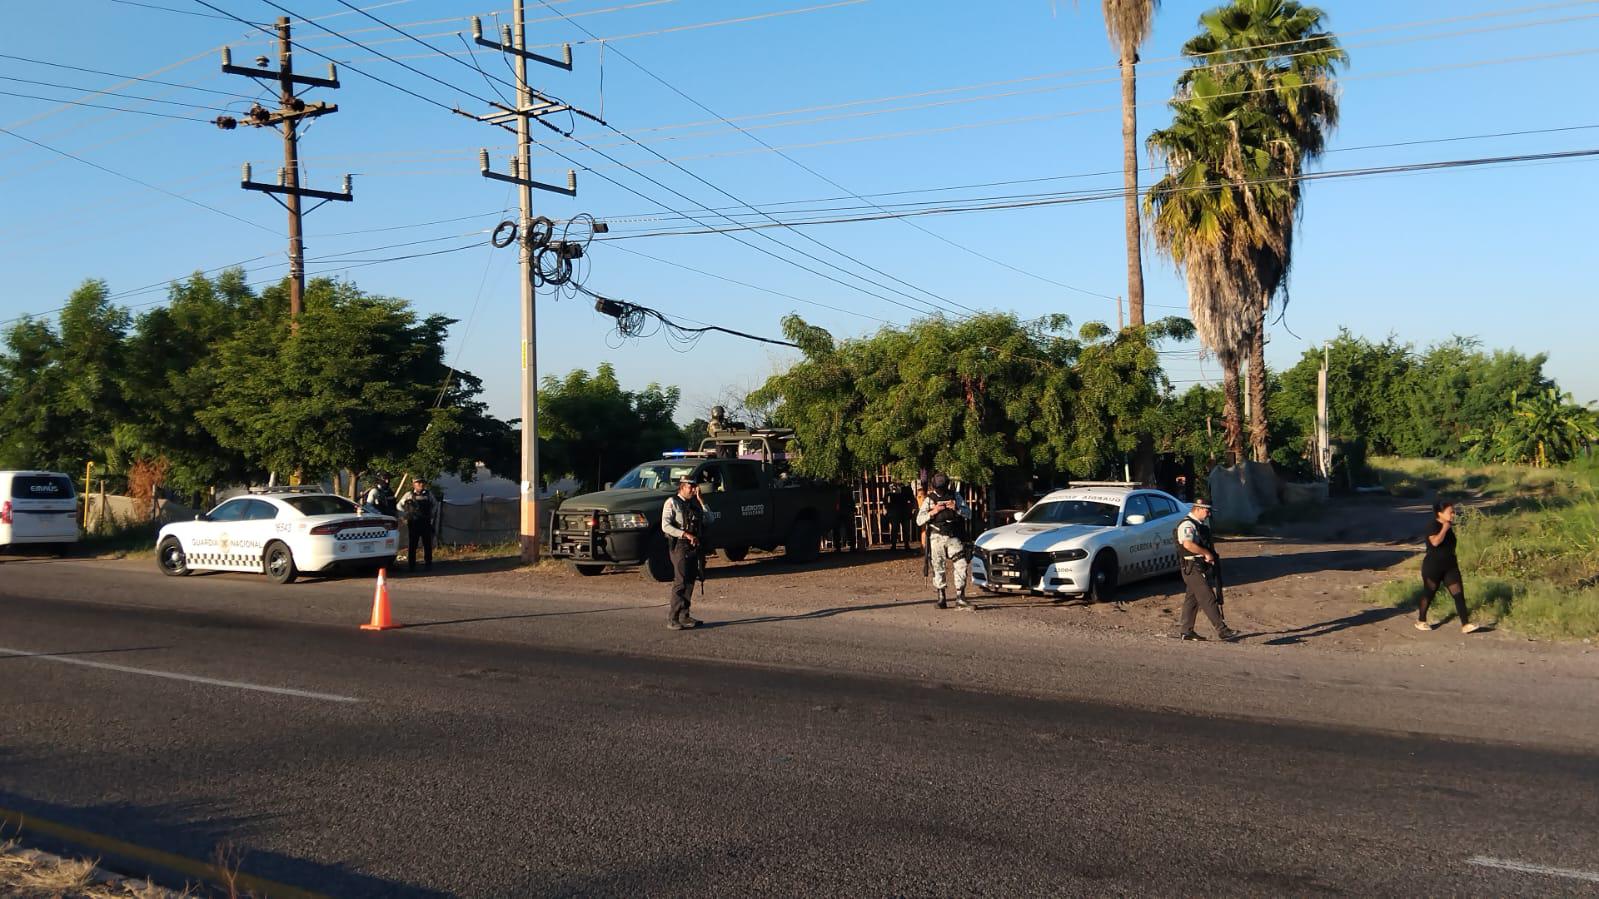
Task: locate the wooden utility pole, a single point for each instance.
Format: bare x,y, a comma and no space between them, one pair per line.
529,105
286,118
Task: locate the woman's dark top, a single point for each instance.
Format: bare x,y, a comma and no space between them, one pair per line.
1440,558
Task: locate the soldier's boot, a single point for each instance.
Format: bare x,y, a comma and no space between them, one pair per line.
941,604
960,600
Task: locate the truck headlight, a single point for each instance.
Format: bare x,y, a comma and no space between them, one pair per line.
1068,555
625,521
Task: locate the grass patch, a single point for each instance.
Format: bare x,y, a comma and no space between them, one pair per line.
136,541
1529,542
25,875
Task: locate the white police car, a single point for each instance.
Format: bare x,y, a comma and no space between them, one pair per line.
1082,541
283,532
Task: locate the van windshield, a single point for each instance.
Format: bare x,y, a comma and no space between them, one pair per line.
42,486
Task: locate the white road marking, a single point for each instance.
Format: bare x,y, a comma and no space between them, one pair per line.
1525,868
172,675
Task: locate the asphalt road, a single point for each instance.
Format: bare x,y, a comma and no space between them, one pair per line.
425,762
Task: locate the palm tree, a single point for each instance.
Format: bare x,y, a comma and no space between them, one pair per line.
1128,23
1203,215
1278,53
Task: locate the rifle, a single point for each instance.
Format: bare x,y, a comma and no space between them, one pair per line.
699,558
927,555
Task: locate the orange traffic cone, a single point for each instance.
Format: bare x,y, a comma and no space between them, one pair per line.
381,619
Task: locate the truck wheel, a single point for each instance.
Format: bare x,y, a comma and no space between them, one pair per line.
658,562
1102,579
589,570
804,542
280,564
735,553
170,556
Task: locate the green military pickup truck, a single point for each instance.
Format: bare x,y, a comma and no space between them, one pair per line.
751,502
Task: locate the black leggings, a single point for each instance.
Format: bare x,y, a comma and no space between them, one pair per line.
1449,578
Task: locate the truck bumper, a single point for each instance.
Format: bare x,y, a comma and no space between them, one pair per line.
608,547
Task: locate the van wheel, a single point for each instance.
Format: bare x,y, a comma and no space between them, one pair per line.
804,542
280,564
169,555
1102,579
658,562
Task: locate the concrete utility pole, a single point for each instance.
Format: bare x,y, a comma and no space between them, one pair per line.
286,118
1323,439
529,105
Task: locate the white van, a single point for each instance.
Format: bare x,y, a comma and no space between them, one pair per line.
37,507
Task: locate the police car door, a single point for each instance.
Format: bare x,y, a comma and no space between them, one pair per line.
1137,540
257,527
213,544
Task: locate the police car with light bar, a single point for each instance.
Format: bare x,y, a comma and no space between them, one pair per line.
1082,541
281,532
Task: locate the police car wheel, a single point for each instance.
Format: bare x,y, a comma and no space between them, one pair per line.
1102,579
280,564
735,553
589,570
169,555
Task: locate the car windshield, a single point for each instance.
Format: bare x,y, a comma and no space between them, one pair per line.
321,505
655,475
1073,511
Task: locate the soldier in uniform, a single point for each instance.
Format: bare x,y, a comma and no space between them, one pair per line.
944,514
1201,573
683,523
418,507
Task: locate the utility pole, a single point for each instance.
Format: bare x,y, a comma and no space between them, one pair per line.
286,118
529,105
1323,438
1121,323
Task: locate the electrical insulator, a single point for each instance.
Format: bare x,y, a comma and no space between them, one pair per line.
483,160
226,122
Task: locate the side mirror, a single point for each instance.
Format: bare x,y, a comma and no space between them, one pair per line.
201,516
609,484
1136,519
1017,516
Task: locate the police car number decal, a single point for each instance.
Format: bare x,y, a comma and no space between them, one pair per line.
757,509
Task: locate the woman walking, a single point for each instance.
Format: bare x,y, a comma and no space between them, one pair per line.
1440,567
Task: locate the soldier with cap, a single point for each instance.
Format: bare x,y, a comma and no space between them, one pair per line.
1201,573
945,514
683,523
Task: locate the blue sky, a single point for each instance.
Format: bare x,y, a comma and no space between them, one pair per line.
1022,90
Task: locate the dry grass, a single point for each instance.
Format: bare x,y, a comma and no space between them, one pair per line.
26,875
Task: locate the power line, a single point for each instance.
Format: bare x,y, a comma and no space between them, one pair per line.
62,65
1112,195
963,247
632,318
72,87
144,112
96,165
654,181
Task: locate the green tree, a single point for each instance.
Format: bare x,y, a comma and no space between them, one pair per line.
172,372
356,387
1544,428
983,398
1128,24
589,427
60,394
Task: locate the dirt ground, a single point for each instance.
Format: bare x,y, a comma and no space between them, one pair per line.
1297,583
